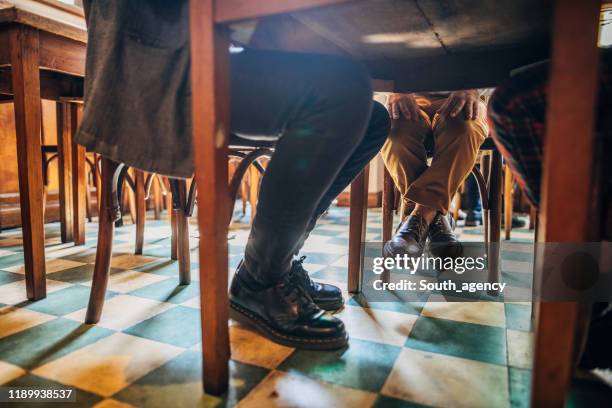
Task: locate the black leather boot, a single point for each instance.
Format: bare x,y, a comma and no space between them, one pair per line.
327,297
284,313
442,240
409,238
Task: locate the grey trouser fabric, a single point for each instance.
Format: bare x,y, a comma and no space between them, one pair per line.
321,110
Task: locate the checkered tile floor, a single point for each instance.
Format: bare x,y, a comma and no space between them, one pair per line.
146,350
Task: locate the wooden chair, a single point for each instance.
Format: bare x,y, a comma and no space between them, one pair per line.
183,201
25,84
68,217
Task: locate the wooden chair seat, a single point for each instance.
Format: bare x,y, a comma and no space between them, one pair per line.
183,201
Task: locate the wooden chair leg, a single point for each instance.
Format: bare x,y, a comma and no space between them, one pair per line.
254,180
108,214
244,193
388,204
88,212
495,189
508,201
533,214
157,198
129,196
64,153
24,48
79,178
179,193
173,223
457,207
98,179
141,213
485,165
357,229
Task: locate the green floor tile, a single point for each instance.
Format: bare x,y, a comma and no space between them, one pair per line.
519,381
48,341
83,398
333,273
8,261
338,241
8,277
414,308
518,317
64,301
471,341
364,365
518,279
158,252
178,383
169,291
179,326
516,255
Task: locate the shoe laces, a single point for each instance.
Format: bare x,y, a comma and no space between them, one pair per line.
416,227
299,273
296,293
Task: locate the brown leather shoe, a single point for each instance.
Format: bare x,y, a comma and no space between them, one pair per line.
442,240
409,238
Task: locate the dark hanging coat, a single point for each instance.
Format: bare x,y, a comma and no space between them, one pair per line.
137,85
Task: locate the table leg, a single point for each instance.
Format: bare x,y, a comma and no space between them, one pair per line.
565,212
357,229
26,87
210,112
79,179
64,151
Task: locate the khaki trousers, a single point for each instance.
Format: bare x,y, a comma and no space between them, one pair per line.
455,143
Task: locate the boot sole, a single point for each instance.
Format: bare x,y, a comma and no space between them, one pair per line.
331,306
249,319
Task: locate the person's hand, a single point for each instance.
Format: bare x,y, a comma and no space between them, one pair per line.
404,105
458,101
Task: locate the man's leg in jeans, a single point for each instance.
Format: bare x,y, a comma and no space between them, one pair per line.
375,136
327,296
319,108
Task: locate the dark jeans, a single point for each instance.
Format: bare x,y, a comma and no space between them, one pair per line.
321,110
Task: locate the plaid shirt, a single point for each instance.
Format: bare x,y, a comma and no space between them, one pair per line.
517,118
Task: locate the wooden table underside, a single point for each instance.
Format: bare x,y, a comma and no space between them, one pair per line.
458,47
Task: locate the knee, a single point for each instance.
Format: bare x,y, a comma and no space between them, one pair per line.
471,132
380,123
404,131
